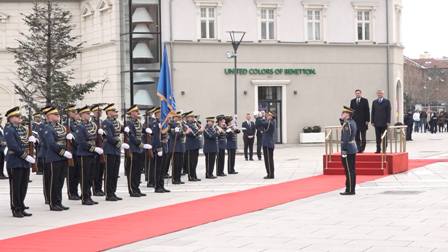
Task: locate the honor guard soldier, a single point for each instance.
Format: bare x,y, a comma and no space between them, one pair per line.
268,128
185,156
166,158
86,133
112,150
222,145
210,147
348,149
37,126
46,176
192,145
177,147
56,157
232,132
17,161
2,150
98,171
134,129
149,160
158,152
73,171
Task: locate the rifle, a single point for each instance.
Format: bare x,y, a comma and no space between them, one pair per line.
148,138
127,152
30,144
99,138
69,144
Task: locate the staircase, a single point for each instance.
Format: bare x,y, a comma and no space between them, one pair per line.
368,164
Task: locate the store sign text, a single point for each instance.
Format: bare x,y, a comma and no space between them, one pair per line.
271,71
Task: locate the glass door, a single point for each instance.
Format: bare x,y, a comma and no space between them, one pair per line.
270,99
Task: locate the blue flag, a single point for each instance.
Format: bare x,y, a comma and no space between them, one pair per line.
165,90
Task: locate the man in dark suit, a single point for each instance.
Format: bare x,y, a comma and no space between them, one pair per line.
249,129
361,116
381,110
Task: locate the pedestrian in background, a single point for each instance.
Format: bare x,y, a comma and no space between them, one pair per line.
409,122
416,118
424,121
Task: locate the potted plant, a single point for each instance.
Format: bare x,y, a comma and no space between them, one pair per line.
312,134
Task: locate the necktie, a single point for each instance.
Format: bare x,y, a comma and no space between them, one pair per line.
357,101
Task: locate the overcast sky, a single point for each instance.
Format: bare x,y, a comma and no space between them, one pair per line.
425,27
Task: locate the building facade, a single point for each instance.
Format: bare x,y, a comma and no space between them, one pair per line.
302,59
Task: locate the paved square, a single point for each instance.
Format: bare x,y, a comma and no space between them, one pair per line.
404,212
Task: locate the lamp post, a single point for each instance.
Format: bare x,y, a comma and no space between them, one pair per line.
236,37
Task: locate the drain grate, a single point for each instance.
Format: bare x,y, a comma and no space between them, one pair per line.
402,192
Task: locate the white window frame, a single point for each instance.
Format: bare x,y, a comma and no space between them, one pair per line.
268,20
217,5
87,8
207,20
315,5
269,4
314,24
371,8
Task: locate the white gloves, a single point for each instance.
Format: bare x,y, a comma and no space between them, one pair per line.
69,136
68,155
160,153
32,139
148,131
147,146
30,159
229,130
100,132
177,129
126,129
125,146
99,150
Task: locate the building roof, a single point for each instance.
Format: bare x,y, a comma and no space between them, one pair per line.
431,63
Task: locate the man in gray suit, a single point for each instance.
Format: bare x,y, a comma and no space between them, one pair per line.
380,118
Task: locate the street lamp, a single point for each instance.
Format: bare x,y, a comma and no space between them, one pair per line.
236,37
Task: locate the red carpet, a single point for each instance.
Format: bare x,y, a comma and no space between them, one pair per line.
116,231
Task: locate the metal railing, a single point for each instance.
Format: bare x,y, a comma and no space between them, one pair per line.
331,139
395,135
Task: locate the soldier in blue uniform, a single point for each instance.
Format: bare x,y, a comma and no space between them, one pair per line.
210,147
2,150
177,147
149,162
192,145
56,157
86,150
166,155
98,171
18,161
73,173
158,152
112,150
134,129
268,128
232,132
222,145
46,176
348,150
